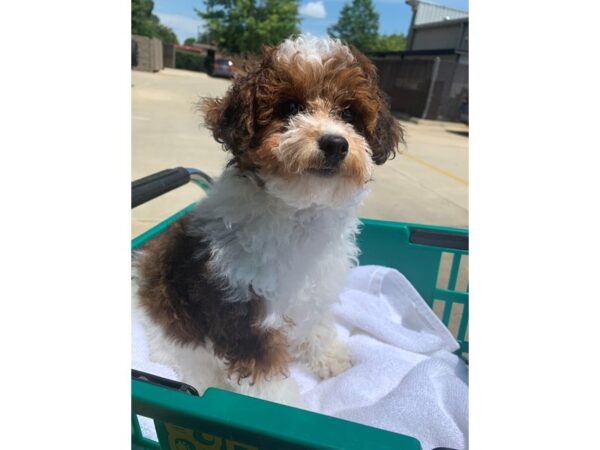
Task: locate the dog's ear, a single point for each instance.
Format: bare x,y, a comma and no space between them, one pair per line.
387,133
231,118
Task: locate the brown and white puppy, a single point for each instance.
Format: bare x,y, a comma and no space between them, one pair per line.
243,285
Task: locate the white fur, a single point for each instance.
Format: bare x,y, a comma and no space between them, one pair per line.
285,241
312,48
325,354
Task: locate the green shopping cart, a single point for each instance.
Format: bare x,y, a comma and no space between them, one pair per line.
433,259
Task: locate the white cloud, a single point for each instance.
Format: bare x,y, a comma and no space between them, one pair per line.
183,26
315,10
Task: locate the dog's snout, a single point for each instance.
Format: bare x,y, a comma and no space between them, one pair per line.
334,147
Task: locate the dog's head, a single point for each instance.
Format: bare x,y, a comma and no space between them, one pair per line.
309,119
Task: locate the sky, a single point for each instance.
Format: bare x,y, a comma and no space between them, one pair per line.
317,15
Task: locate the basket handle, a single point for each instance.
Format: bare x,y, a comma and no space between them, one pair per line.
435,238
157,184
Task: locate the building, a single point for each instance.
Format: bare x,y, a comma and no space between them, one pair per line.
430,79
437,30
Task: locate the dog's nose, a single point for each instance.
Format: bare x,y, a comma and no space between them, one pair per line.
334,147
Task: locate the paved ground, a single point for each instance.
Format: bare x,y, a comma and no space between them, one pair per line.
427,184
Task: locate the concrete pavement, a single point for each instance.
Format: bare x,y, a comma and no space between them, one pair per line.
426,184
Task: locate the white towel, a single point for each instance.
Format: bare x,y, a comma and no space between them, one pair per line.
404,378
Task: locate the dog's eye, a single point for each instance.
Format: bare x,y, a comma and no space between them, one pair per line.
347,115
289,108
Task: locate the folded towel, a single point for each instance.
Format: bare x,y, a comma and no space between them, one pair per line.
404,378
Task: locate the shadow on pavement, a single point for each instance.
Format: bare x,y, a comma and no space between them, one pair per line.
459,132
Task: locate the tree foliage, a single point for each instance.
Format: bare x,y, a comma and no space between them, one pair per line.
244,26
142,19
203,38
390,43
165,34
189,41
358,25
144,23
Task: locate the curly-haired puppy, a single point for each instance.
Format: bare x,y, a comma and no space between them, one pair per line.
244,284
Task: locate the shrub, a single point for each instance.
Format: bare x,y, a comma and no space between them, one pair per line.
190,61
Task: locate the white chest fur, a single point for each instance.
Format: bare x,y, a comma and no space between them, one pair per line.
296,259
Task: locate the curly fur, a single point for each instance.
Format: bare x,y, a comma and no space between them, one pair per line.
250,275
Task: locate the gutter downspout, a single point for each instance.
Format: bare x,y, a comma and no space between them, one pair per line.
434,75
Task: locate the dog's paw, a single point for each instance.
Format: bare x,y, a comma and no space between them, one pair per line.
334,360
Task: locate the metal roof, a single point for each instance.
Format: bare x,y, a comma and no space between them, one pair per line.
426,12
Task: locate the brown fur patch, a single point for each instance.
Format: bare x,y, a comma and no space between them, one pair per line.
387,132
179,293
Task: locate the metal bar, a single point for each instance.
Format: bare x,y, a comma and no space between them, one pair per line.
196,174
165,382
157,184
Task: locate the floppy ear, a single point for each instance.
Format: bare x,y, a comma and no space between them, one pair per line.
231,118
387,134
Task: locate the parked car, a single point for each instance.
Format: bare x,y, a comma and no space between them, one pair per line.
222,68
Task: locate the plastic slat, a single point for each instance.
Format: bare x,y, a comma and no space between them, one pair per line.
451,296
447,311
464,322
456,259
138,441
137,432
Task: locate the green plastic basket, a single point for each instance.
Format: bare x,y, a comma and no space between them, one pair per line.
433,259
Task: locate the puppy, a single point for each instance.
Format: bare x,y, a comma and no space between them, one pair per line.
242,285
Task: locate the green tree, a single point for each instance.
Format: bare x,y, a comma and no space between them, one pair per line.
204,38
390,43
189,41
142,19
165,34
358,25
244,26
144,23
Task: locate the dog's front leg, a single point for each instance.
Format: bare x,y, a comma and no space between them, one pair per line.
323,352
